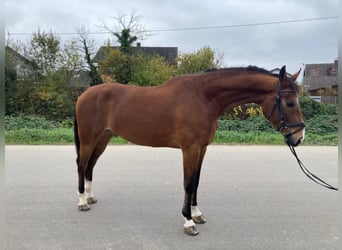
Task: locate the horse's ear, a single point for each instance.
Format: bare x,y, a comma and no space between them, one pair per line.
295,75
282,74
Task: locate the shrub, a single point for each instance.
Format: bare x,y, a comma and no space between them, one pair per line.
29,122
322,124
319,124
67,123
258,123
200,60
309,107
151,71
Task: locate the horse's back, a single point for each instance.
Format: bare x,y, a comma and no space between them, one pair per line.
101,90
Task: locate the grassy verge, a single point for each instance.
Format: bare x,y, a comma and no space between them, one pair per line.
60,136
269,138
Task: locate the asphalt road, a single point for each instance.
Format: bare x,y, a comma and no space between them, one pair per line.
253,197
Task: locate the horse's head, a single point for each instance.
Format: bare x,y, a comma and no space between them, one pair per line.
283,109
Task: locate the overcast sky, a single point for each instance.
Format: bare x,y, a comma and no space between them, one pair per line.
269,46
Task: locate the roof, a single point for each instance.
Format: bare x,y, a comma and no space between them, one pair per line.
14,58
169,53
320,76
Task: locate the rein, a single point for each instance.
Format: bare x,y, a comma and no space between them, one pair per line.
300,125
310,175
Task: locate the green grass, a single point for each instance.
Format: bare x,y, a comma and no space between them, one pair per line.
39,136
233,137
60,136
57,136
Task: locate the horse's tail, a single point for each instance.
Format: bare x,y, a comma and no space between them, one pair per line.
77,139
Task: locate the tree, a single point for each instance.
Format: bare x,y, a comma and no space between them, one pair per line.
126,40
50,92
127,29
47,91
70,59
200,60
151,71
117,65
139,69
88,48
121,64
44,50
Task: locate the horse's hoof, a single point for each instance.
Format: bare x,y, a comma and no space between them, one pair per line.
84,207
91,200
191,230
199,219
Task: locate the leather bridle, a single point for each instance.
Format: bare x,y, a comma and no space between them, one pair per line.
283,124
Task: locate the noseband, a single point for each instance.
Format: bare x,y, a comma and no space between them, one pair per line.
277,104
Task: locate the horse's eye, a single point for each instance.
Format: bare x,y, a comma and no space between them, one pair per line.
290,104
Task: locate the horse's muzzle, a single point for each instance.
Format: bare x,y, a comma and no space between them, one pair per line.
292,140
296,137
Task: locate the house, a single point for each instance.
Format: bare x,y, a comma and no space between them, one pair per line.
320,81
22,66
168,53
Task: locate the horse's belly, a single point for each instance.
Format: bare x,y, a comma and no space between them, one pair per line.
145,132
147,139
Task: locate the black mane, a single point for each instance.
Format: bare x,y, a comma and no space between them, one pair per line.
249,68
259,70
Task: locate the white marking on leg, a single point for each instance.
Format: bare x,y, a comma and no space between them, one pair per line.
82,199
188,223
195,211
88,189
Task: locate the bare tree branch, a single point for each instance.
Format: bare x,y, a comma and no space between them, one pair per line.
132,22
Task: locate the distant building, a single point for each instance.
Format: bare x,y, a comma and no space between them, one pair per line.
22,66
320,81
168,53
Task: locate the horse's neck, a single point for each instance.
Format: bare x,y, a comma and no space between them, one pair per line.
228,92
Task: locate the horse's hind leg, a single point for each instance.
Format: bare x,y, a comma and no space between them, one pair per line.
82,163
98,150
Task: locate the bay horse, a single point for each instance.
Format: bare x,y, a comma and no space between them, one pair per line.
181,113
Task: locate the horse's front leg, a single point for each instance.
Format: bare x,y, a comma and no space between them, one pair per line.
192,159
196,214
